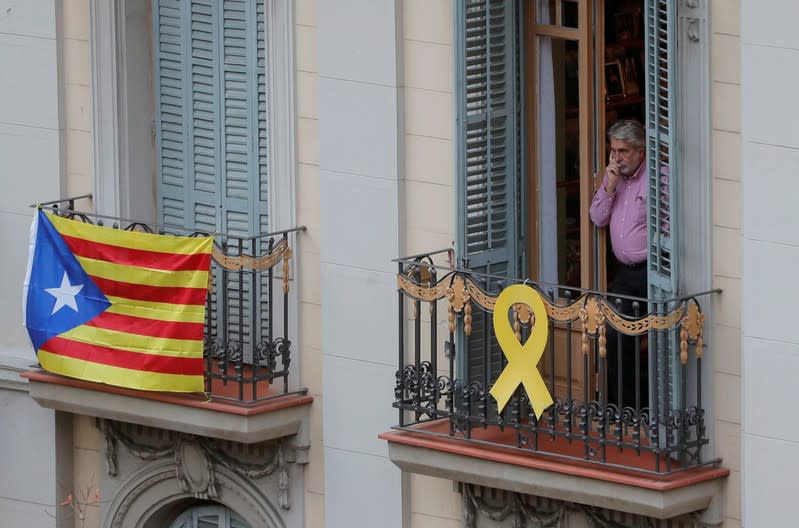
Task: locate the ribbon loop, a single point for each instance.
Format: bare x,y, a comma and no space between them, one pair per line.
523,359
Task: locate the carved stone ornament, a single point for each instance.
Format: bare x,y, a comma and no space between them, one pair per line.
195,469
195,459
492,508
693,29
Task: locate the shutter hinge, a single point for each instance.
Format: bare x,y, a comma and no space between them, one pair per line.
152,129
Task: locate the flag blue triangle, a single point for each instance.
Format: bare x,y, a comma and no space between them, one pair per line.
59,294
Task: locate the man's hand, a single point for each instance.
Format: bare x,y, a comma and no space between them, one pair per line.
613,176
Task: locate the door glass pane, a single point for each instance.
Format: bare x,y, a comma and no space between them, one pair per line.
569,11
563,13
558,111
545,11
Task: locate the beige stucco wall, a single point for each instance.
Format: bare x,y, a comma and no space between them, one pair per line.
75,102
429,187
76,129
726,232
429,124
308,263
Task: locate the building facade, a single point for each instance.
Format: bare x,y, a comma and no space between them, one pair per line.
389,129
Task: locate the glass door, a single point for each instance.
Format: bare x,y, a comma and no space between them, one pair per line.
560,95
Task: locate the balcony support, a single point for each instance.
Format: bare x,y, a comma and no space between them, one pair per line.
282,416
603,487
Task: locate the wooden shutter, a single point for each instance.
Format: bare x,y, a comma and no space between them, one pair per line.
211,133
209,516
489,183
211,123
664,179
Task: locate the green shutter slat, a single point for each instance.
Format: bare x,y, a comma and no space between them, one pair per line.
489,182
170,108
204,116
263,187
211,124
209,516
662,147
211,114
488,155
664,180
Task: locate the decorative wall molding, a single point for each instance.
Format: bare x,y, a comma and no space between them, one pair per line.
487,507
195,459
150,468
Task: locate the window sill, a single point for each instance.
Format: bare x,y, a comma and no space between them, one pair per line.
281,416
614,488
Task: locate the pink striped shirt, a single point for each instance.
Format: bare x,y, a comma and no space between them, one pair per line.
625,211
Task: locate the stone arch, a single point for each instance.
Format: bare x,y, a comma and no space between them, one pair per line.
153,492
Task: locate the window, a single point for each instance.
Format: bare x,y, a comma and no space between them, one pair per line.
211,128
186,98
534,108
154,58
209,516
539,81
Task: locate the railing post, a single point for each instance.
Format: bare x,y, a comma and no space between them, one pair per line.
400,347
286,359
434,344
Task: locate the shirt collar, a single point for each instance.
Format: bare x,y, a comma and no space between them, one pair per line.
638,172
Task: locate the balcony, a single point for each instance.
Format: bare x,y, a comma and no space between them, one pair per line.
250,394
630,439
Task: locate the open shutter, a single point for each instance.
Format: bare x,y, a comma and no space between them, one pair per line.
664,179
489,183
211,128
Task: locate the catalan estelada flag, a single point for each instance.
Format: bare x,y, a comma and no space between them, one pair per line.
118,307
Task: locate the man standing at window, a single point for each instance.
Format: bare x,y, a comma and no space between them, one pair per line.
620,202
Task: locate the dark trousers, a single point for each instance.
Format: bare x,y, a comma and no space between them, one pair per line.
630,280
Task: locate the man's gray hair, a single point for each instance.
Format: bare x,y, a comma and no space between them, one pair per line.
628,130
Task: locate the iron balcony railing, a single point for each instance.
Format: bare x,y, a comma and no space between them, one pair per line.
246,345
646,416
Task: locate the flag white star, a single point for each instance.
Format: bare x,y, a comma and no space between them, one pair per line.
64,294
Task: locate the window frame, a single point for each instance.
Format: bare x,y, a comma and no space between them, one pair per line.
123,118
123,141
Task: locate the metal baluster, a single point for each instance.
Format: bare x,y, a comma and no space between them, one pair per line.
399,395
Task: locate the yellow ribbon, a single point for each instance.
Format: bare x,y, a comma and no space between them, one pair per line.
522,358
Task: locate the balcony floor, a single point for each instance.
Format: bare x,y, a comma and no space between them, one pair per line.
619,485
247,422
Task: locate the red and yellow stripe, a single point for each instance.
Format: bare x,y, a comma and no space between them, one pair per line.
151,336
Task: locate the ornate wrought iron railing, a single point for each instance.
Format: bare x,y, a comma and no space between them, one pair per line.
646,416
246,346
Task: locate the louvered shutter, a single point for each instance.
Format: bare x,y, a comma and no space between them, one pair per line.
211,128
209,516
664,179
489,183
